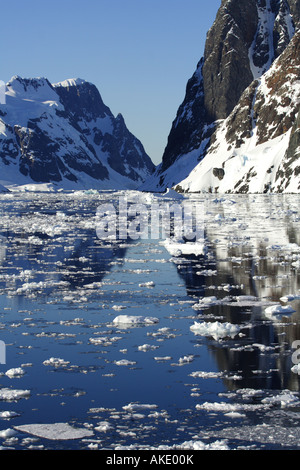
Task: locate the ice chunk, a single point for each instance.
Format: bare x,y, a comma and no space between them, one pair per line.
132,320
55,431
9,394
275,311
7,433
104,426
139,406
215,329
125,362
16,372
8,414
289,298
56,362
147,284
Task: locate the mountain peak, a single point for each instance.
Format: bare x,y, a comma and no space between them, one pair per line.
64,135
69,82
245,39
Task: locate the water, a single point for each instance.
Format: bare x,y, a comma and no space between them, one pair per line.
61,288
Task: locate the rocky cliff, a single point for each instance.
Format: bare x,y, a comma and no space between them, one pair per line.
244,94
63,134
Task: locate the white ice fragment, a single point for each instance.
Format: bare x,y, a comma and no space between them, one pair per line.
215,329
103,426
284,398
206,375
139,406
147,284
275,310
147,347
186,359
131,320
124,362
9,394
16,372
7,433
206,302
56,362
8,414
289,298
55,431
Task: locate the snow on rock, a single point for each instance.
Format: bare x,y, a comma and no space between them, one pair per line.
55,431
63,136
215,329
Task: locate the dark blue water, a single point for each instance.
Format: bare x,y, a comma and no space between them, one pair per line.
182,377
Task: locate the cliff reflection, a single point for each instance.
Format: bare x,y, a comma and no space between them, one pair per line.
252,250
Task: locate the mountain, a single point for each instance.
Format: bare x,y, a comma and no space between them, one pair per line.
63,136
237,129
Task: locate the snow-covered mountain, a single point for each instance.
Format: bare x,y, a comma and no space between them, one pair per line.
237,129
63,136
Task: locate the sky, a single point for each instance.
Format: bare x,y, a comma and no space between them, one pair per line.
139,53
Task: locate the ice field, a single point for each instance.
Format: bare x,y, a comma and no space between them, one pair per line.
138,344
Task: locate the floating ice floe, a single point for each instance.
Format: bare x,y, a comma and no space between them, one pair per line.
56,362
274,312
55,431
16,372
296,369
147,347
186,445
8,394
103,426
178,248
233,301
8,414
206,302
6,433
132,407
289,298
147,284
126,321
215,329
124,362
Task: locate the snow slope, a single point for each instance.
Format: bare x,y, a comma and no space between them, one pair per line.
63,136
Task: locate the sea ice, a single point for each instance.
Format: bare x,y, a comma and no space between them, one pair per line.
9,394
215,329
131,320
275,311
16,372
56,362
289,298
55,431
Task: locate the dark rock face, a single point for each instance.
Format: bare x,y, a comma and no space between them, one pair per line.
245,39
226,58
65,132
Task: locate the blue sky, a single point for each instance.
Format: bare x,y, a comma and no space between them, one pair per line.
139,53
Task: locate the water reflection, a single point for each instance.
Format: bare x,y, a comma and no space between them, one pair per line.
253,250
252,242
